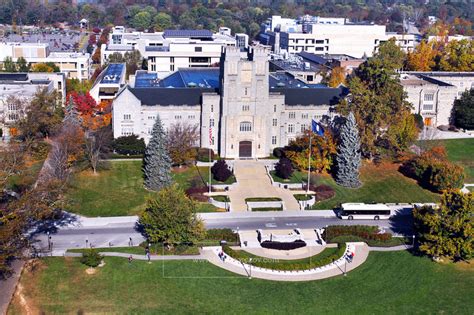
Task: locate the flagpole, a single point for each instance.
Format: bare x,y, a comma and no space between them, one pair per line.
210,158
309,156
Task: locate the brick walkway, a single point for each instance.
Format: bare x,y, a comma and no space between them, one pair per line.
254,182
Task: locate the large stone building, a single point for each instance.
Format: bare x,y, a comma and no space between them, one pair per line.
432,94
241,108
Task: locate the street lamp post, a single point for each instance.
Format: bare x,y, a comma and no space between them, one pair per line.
250,268
87,242
413,242
49,241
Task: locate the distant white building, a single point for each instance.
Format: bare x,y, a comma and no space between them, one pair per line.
449,38
73,65
432,94
330,36
167,51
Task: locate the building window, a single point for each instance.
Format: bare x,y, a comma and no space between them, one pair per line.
274,108
177,117
212,108
151,117
127,117
13,117
127,131
245,126
212,140
275,122
303,127
171,59
427,106
211,122
274,140
171,67
304,116
246,91
291,128
429,97
191,117
292,115
245,108
198,49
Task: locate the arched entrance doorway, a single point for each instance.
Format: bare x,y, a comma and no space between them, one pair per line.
245,149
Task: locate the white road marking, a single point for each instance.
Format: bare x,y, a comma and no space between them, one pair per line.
270,225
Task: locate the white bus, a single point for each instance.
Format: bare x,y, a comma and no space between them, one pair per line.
376,211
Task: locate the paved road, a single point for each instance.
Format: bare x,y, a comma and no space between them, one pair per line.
119,234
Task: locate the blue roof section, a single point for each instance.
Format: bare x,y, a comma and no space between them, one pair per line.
113,73
187,33
189,77
146,80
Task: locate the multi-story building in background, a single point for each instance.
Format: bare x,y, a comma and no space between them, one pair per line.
74,65
167,51
329,36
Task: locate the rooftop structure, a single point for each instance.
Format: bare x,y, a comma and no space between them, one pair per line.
109,82
67,41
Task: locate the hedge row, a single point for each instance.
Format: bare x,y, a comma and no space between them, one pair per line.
263,199
324,258
364,232
222,234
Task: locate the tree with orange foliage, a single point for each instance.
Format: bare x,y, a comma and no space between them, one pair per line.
337,77
323,150
84,102
422,58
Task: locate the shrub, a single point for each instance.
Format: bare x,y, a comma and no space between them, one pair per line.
222,234
220,171
40,150
284,168
359,232
203,155
419,121
129,145
279,152
323,192
197,193
283,246
434,171
91,258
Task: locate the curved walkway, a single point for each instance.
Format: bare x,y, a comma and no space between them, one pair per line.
293,254
211,254
337,268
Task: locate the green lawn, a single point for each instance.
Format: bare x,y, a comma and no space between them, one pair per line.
461,151
387,283
296,177
119,190
380,184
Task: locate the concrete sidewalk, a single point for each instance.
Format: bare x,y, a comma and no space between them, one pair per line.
8,286
336,269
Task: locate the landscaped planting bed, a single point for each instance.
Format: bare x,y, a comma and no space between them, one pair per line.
296,178
327,256
262,199
283,245
302,197
359,233
268,209
221,198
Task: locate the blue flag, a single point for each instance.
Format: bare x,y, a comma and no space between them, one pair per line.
317,128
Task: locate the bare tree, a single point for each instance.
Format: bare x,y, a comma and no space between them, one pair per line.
429,138
97,145
182,137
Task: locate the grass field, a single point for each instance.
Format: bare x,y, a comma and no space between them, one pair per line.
119,190
461,151
387,283
380,184
296,177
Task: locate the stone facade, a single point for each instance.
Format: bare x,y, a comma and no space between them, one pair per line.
244,117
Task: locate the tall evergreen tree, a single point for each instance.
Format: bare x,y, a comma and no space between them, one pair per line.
71,114
157,162
348,156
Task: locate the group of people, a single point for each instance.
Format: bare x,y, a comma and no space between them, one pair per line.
222,256
350,256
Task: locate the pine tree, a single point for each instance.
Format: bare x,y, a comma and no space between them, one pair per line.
348,156
157,162
71,114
